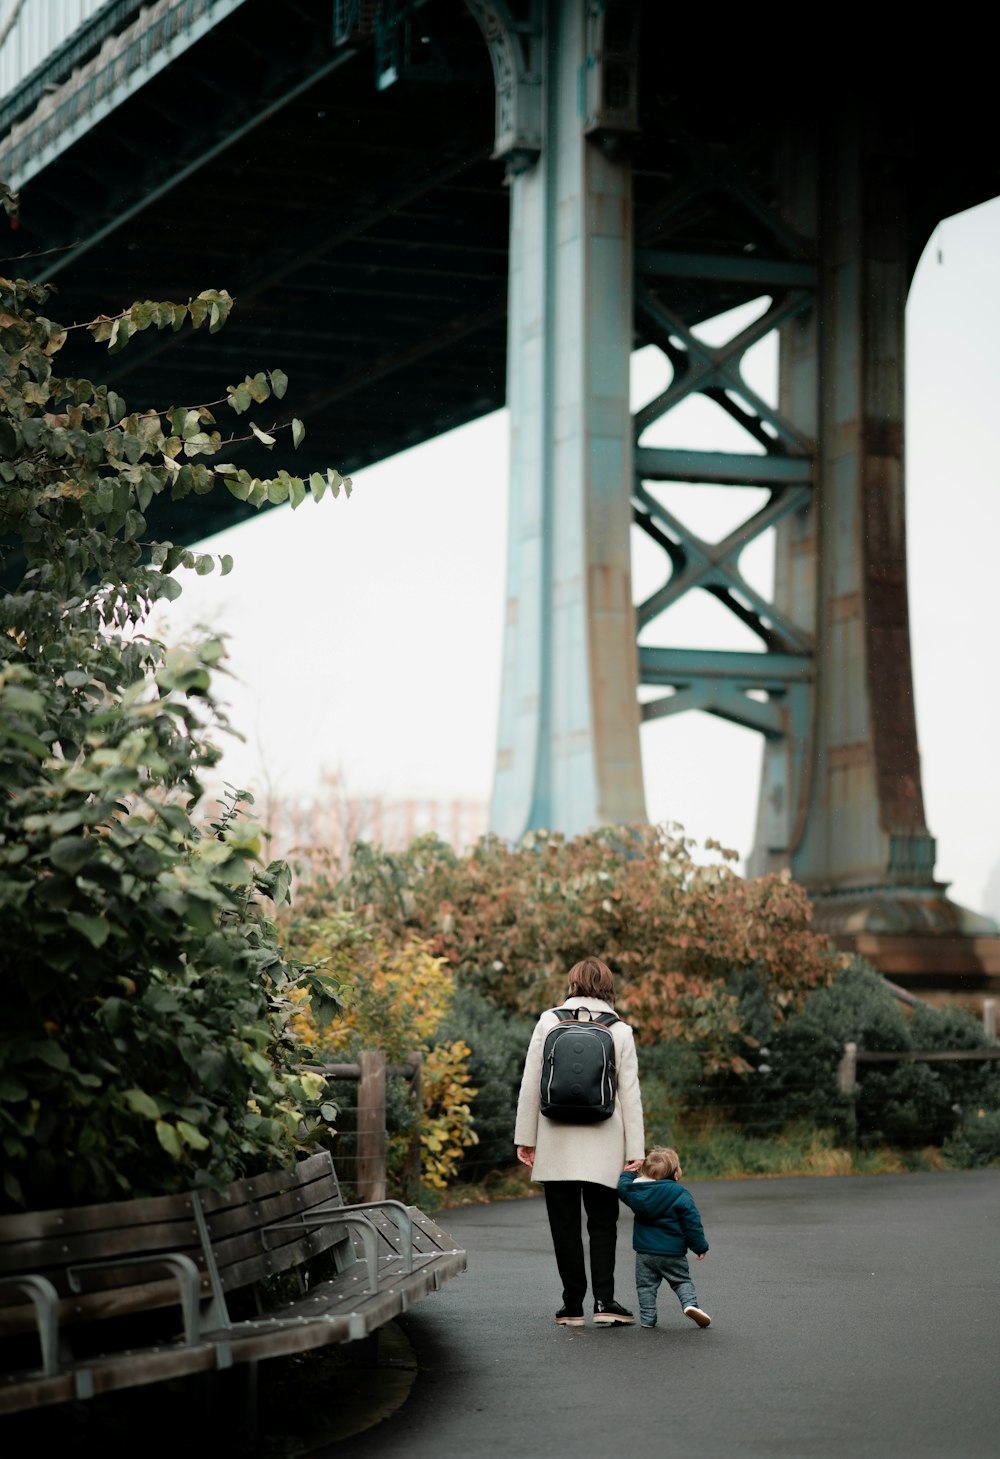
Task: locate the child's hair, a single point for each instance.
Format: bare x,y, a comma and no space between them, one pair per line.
661,1163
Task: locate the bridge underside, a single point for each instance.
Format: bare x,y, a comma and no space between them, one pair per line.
364,232
378,238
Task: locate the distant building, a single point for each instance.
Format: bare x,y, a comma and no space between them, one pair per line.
333,820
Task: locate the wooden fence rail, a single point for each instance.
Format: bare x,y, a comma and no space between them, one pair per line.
853,1056
370,1072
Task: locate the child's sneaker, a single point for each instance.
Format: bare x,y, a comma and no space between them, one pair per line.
696,1315
570,1316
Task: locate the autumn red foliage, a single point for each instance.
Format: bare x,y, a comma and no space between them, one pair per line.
510,921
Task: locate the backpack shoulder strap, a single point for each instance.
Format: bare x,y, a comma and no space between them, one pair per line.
566,1015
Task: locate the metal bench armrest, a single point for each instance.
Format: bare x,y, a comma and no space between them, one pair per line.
405,1224
320,1217
45,1300
183,1268
369,1233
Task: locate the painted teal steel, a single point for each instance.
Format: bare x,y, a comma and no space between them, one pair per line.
568,755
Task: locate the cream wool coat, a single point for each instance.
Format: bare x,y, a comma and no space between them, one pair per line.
595,1152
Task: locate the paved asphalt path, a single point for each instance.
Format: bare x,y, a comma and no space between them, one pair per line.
852,1317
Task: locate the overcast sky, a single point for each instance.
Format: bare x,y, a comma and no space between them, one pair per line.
365,635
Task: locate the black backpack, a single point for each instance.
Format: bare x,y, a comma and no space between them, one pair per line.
579,1075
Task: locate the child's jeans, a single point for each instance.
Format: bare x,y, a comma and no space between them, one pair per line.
650,1271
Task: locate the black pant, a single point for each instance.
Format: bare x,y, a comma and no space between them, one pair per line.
562,1202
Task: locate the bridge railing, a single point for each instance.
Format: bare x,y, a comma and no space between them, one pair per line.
32,30
104,63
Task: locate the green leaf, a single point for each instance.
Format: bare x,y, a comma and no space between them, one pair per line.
296,491
121,331
71,853
317,483
192,1136
141,1103
298,433
239,398
53,1055
239,486
169,1139
94,929
262,436
279,383
169,588
225,564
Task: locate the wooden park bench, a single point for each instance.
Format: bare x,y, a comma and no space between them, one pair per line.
99,1298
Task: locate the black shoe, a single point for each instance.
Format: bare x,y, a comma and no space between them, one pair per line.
607,1313
570,1316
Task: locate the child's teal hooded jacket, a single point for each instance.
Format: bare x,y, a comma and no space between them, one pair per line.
667,1222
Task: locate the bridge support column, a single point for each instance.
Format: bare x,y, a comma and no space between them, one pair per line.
857,835
568,746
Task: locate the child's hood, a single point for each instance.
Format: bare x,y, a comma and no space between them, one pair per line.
653,1198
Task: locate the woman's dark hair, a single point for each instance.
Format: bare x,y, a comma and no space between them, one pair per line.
592,979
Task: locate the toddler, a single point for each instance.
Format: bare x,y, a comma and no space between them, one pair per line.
666,1225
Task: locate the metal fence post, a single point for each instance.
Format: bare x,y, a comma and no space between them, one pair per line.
847,1074
990,1020
371,1126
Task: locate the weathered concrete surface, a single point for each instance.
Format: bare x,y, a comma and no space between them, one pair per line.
854,1318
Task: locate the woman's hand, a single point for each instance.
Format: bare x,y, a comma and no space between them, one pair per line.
634,1164
526,1155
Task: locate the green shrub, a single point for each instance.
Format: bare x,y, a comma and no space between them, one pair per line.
976,1142
499,1041
905,1104
147,1042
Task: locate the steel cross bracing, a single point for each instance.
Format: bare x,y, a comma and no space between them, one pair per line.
766,691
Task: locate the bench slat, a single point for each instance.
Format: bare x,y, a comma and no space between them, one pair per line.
281,1206
107,1216
257,1187
68,1249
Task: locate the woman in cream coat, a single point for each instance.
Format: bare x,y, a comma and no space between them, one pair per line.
583,1162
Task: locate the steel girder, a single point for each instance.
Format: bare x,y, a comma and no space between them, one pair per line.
769,691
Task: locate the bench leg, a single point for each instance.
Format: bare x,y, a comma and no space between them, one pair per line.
228,1401
365,1351
250,1401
